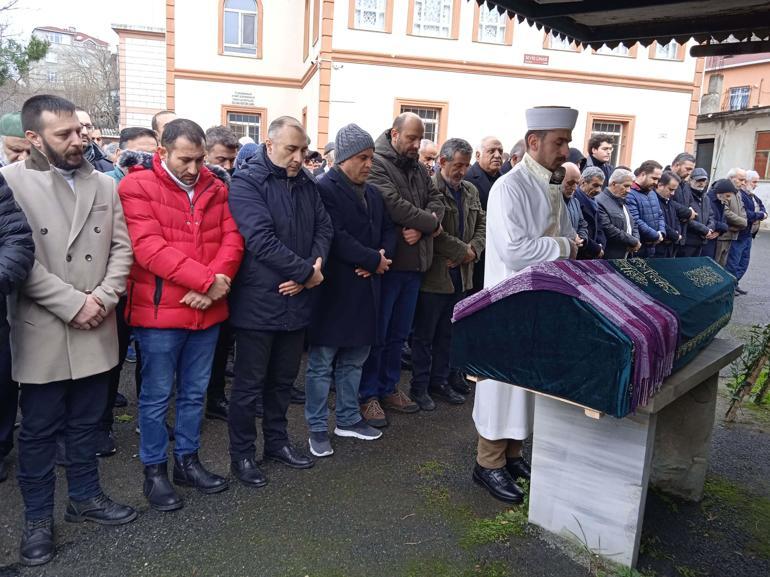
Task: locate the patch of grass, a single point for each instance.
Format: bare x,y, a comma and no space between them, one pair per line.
750,513
432,469
501,528
123,418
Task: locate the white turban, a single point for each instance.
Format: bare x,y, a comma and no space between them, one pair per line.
551,118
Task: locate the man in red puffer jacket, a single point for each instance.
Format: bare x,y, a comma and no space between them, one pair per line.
187,249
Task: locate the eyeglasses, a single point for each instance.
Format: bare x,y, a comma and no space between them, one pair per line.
87,126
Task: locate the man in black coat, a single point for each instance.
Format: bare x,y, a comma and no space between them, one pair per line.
683,166
702,228
600,147
345,316
620,229
483,174
287,234
17,254
590,185
665,189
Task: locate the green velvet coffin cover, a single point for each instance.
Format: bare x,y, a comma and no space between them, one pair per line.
562,346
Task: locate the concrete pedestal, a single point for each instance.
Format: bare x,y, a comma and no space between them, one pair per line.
590,476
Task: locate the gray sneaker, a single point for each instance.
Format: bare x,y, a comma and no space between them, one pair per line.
361,430
319,443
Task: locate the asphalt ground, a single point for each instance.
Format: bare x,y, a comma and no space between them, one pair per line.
404,506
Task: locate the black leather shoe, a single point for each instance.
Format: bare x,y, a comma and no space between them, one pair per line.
518,468
37,546
100,509
120,401
247,472
105,444
499,484
158,489
459,383
290,457
217,409
297,396
447,394
3,470
423,401
189,471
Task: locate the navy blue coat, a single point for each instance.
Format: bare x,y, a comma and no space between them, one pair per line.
347,308
285,228
753,213
596,237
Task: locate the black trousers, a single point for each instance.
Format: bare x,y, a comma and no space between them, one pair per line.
266,363
124,336
217,381
74,409
432,340
9,394
689,250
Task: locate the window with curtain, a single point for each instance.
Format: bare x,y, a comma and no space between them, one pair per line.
433,18
370,14
240,26
556,43
668,51
491,25
739,98
619,50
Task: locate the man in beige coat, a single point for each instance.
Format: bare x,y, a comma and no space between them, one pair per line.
63,335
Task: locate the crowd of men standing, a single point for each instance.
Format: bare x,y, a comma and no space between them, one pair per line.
192,242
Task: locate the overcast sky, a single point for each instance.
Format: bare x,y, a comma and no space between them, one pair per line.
93,17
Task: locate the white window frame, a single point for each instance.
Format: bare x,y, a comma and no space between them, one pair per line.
418,26
485,12
380,10
617,136
664,51
619,50
241,123
557,43
241,47
739,97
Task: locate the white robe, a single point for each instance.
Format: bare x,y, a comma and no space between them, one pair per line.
527,223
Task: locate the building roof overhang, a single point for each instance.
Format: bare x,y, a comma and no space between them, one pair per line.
719,26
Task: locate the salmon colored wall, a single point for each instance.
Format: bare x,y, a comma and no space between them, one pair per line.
757,76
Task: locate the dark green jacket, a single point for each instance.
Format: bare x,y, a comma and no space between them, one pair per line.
447,246
411,199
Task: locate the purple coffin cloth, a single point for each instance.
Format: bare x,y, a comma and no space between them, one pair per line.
651,326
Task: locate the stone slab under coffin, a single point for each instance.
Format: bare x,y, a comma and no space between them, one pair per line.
569,344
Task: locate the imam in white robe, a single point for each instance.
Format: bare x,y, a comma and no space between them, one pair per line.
527,223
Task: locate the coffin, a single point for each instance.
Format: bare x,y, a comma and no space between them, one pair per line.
603,334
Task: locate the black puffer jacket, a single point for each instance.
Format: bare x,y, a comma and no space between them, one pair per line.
17,249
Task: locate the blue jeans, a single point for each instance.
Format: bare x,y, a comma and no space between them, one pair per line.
398,300
738,258
166,353
346,363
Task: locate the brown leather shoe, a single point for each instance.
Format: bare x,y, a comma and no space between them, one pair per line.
372,411
400,402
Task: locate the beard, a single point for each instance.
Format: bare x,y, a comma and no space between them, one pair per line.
70,160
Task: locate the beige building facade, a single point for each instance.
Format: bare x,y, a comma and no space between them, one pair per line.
468,71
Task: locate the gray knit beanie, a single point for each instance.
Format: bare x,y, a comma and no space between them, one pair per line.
351,140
